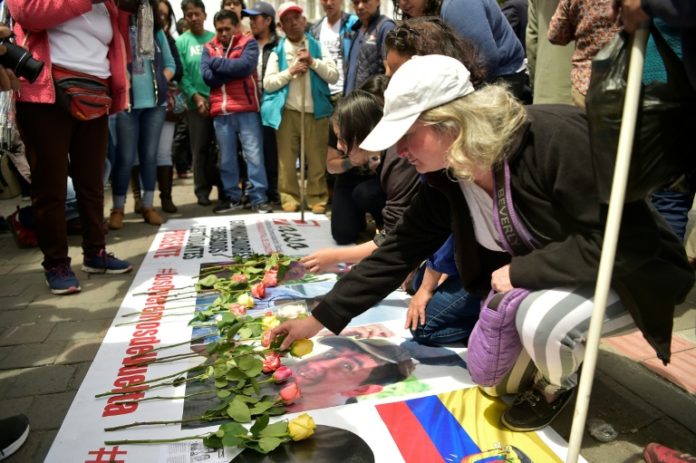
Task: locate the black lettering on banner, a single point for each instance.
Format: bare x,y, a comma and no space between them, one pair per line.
195,246
239,237
218,241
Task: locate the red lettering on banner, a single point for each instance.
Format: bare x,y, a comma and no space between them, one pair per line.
104,455
306,223
140,349
171,245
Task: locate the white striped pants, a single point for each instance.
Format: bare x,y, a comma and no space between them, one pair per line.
552,325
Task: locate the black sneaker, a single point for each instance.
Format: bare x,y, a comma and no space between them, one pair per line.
530,410
203,201
225,206
13,432
262,208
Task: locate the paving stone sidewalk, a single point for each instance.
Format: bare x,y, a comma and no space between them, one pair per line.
47,344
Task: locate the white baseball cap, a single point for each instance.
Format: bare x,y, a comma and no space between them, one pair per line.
421,83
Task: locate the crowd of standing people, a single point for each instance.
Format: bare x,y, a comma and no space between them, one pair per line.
424,122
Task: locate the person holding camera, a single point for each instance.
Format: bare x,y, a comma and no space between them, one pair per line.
8,79
63,126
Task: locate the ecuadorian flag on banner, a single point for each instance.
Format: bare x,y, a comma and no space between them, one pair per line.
449,427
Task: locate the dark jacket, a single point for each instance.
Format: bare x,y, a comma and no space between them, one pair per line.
265,54
554,193
371,52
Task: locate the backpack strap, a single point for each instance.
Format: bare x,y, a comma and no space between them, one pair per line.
513,234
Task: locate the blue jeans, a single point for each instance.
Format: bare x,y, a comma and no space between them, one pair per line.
248,126
137,132
449,316
674,207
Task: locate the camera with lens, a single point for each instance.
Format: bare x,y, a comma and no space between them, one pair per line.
20,61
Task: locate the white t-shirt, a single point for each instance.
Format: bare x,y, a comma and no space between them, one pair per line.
330,37
481,208
82,43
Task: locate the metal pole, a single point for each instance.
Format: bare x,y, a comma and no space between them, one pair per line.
302,149
611,237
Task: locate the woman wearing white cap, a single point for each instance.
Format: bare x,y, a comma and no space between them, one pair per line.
503,177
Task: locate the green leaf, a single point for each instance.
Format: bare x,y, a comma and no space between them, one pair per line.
259,425
250,365
223,393
239,411
212,441
220,383
233,428
245,333
231,440
275,411
268,444
277,429
235,374
208,281
261,407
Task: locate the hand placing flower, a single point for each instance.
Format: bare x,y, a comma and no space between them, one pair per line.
282,374
302,427
290,393
301,347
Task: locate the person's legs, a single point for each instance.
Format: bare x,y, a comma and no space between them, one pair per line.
270,161
370,197
553,326
165,171
674,207
127,133
288,141
347,221
199,133
151,121
251,137
226,128
316,143
46,131
181,147
449,316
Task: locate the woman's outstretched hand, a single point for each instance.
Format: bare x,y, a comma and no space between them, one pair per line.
293,330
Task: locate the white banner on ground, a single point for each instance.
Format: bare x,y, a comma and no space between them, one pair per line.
161,301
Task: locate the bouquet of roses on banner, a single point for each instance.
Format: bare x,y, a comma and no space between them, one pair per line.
238,363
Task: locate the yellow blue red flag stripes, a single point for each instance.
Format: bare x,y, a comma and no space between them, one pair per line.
454,425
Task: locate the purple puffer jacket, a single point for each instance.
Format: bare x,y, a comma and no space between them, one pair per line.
494,344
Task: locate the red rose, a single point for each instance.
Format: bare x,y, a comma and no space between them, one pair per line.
282,374
270,279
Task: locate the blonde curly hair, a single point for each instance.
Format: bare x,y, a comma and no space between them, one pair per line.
484,123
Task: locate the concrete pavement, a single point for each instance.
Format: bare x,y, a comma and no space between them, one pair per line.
47,344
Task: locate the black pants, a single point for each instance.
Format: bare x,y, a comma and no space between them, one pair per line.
353,196
49,134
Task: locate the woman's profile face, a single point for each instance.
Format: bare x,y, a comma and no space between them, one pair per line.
163,11
424,147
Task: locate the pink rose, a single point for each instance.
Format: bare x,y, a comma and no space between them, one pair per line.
239,279
290,393
270,278
258,290
237,309
266,338
282,374
271,362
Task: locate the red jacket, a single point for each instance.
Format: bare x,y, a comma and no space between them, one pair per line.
34,17
232,79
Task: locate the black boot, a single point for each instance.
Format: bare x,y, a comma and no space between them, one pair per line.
164,180
135,187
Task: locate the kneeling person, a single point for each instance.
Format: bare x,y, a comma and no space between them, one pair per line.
229,68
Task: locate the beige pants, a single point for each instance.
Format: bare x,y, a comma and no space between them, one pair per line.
316,142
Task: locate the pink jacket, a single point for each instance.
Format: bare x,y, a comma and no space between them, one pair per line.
34,17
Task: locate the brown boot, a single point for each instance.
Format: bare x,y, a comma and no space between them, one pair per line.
116,219
165,174
135,187
152,217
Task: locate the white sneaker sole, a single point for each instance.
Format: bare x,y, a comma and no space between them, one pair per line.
6,452
66,291
87,269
